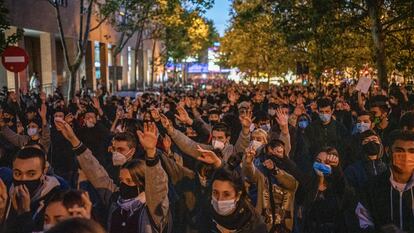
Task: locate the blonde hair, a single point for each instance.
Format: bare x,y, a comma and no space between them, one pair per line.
262,133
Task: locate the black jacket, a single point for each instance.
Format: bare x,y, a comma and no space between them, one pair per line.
383,209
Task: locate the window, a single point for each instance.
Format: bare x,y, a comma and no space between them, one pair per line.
62,3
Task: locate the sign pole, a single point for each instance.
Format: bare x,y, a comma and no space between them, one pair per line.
16,84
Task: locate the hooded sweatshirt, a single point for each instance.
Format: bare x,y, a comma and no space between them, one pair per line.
387,202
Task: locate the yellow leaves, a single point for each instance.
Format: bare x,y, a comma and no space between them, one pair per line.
198,33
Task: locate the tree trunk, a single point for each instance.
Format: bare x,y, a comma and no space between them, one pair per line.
72,83
138,62
154,43
379,42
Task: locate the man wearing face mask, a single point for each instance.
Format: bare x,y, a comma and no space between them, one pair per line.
371,164
123,148
383,125
31,190
325,131
37,132
388,199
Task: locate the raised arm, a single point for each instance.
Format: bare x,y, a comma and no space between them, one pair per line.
244,136
14,138
45,138
156,180
93,170
283,121
183,142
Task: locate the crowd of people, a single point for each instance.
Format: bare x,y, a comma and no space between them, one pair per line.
234,158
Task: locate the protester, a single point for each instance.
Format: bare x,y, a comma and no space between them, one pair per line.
388,199
233,158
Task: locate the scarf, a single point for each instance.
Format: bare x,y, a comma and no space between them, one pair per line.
132,205
236,220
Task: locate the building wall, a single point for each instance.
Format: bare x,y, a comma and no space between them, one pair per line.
42,41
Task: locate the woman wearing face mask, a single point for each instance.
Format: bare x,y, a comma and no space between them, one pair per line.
139,204
321,199
258,138
229,210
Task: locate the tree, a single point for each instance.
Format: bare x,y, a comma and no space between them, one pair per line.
253,45
163,20
386,21
4,26
82,42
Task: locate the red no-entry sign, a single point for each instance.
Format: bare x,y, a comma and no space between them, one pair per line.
14,59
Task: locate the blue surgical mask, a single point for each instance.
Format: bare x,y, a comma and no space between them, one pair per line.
303,124
362,127
325,117
322,169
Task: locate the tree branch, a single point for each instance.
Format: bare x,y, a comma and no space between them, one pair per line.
99,24
399,30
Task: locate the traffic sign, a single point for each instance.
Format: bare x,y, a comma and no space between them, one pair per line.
14,59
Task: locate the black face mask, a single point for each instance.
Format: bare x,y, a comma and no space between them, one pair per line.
214,122
371,148
128,192
6,120
31,185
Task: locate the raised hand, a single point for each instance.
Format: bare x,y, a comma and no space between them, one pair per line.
166,142
42,113
246,121
183,116
67,132
283,120
166,123
250,154
208,157
21,199
155,114
84,211
148,138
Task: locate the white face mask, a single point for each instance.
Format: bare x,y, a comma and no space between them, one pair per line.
272,112
47,227
31,132
218,144
223,207
119,129
118,159
255,144
89,124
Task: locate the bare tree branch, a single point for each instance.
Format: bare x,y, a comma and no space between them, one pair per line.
99,24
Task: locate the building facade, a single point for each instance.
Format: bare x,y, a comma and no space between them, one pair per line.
43,44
